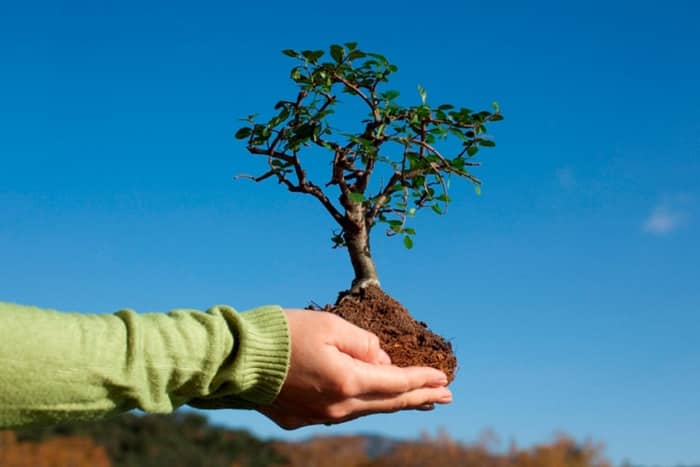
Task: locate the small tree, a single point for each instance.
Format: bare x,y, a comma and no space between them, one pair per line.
398,162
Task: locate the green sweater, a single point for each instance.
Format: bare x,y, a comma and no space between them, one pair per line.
57,367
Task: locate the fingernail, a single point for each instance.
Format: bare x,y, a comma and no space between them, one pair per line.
439,381
445,399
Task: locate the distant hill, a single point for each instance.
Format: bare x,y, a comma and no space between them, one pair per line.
181,439
187,439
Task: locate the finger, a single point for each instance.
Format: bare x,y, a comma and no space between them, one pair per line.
391,380
415,399
419,399
359,343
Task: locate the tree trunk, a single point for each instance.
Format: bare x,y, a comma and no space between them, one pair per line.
357,241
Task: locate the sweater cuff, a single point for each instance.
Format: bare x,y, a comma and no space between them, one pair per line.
257,366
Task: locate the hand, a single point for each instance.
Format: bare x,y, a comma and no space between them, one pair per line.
338,372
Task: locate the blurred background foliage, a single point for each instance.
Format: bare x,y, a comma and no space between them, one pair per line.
187,439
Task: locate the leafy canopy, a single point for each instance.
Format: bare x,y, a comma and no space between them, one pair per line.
416,148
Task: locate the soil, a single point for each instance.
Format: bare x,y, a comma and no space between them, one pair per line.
407,341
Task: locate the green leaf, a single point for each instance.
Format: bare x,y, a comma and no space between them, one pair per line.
356,197
264,131
379,57
423,111
337,53
477,189
472,150
495,105
457,163
279,118
290,53
390,95
408,242
355,54
338,240
487,143
458,133
351,45
304,131
243,133
436,208
312,55
250,118
423,94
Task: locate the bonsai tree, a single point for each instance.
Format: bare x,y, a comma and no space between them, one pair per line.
390,162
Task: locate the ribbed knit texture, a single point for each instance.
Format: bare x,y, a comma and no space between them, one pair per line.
68,366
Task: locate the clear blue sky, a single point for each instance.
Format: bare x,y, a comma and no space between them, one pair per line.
569,289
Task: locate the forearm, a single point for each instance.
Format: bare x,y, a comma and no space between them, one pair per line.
68,366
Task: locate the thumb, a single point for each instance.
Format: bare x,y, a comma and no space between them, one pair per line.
360,344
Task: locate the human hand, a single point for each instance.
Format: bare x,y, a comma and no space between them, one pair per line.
338,372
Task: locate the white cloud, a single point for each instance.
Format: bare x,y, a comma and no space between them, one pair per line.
663,220
566,177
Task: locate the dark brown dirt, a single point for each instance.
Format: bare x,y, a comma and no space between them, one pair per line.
407,341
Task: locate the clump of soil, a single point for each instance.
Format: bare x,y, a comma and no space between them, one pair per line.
407,341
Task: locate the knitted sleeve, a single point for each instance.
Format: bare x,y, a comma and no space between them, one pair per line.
57,367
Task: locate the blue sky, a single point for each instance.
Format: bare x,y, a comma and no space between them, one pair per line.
569,288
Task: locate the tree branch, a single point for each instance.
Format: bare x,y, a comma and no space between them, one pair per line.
271,153
260,178
303,185
362,95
